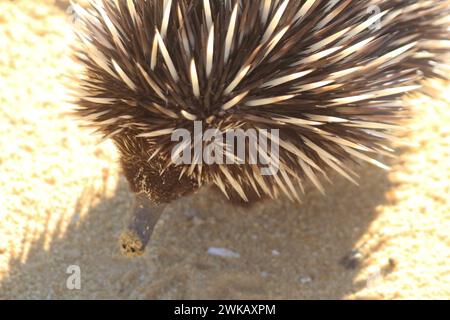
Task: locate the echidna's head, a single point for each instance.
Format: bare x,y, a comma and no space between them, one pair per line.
328,75
149,173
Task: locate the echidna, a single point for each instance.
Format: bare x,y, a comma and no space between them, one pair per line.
328,75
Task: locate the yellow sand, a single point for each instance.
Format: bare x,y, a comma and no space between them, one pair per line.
63,202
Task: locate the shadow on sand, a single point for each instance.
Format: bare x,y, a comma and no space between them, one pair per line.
286,250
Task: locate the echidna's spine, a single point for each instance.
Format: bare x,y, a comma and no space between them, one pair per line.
328,74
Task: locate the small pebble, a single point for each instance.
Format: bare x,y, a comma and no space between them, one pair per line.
190,213
223,252
352,260
305,280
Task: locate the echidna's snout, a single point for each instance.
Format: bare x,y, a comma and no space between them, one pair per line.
152,190
143,218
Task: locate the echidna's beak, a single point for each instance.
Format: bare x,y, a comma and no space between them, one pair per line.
143,218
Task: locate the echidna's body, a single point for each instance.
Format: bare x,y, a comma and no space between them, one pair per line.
328,74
